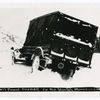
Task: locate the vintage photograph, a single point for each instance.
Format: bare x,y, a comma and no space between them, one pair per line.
49,47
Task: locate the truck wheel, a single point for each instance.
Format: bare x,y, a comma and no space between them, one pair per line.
35,64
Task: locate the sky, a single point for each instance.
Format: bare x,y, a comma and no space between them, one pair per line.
15,18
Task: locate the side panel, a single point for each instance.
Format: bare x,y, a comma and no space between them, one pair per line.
40,30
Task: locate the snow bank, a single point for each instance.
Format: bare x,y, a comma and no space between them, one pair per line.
19,75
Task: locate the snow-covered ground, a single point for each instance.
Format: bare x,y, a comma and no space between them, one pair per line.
19,75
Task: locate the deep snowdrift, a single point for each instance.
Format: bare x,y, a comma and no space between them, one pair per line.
19,75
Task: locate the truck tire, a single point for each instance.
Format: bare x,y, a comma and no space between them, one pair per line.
36,59
35,64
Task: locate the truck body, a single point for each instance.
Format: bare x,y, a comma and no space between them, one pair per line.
65,39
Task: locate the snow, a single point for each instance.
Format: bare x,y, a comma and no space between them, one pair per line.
19,75
57,54
72,39
75,58
7,40
82,61
73,20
